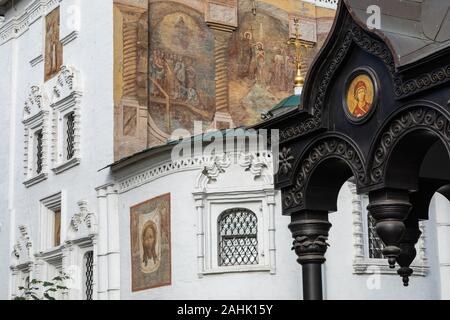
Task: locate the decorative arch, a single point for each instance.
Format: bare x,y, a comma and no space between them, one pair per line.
324,148
425,116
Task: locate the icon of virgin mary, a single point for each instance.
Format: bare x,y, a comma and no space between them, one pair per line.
362,106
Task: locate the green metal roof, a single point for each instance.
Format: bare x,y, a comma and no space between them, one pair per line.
285,105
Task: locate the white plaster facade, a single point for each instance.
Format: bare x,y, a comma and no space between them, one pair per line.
95,205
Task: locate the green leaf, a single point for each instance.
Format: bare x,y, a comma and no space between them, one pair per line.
34,297
51,290
62,288
57,279
21,288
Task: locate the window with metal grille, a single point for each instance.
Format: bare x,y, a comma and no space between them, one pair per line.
70,135
39,151
238,238
89,275
375,244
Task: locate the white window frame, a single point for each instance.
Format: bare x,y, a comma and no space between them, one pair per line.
66,99
362,263
36,118
215,210
48,206
211,206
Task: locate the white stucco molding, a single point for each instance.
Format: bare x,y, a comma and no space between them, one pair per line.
259,164
82,237
22,248
83,224
65,93
18,25
362,264
214,189
36,116
37,60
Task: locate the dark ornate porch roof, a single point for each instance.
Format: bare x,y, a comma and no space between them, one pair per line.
413,29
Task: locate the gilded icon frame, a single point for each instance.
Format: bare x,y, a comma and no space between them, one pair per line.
355,74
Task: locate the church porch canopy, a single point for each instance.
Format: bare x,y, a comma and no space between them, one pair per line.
375,108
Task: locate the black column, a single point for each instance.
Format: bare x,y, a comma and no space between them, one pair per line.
390,208
310,231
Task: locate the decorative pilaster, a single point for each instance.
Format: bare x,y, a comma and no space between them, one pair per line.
358,229
113,244
310,230
390,208
102,248
68,268
272,230
199,206
222,17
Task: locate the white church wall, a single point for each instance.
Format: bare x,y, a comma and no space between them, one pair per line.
285,283
441,207
95,69
340,279
6,104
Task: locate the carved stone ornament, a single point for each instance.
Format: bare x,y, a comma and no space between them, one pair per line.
83,222
33,103
217,166
256,165
23,245
65,83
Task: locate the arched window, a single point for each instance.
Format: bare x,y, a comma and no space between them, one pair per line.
238,238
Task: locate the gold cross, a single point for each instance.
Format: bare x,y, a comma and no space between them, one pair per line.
298,43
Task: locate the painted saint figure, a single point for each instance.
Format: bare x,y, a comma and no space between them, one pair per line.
149,242
260,55
245,55
182,33
362,106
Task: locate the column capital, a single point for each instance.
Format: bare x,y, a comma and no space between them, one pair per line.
310,230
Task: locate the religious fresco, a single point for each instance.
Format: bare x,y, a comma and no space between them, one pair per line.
53,47
360,96
181,68
151,244
219,62
130,76
262,66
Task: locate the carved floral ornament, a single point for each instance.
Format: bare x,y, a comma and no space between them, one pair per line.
64,84
431,118
259,165
321,150
83,221
33,103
